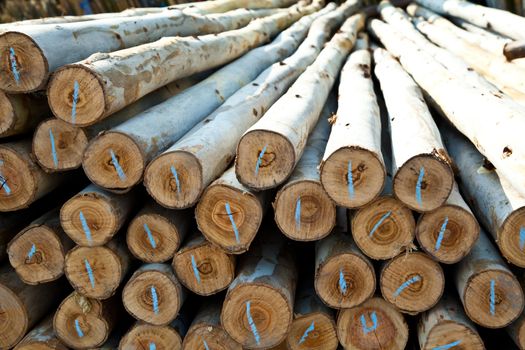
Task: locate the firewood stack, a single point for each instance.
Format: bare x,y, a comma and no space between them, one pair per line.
264,174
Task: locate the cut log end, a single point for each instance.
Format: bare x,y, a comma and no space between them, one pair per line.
174,180
447,233
23,66
493,298
229,218
18,186
207,336
14,319
412,282
314,331
260,322
114,161
76,95
450,332
510,239
375,324
264,159
423,183
383,228
7,115
59,146
37,255
353,177
345,280
143,336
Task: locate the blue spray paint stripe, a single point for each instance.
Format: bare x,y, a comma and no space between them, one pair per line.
252,323
298,214
522,237
406,284
152,346
447,346
492,297
5,186
116,164
176,176
367,329
418,186
85,227
259,160
53,148
14,68
78,329
306,332
342,282
90,273
76,87
195,269
441,234
234,226
350,180
205,344
378,223
150,236
155,300
32,252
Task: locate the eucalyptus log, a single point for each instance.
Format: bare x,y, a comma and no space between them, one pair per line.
446,326
21,113
135,142
258,309
155,234
153,294
202,267
93,216
41,337
206,7
344,277
375,324
412,282
269,151
147,336
97,272
516,331
515,49
37,253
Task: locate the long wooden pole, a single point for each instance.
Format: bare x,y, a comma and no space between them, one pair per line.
41,337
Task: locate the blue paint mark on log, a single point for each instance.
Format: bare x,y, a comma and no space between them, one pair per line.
155,300
252,323
259,160
418,186
85,227
205,344
367,329
152,346
53,148
195,269
379,222
78,329
90,273
447,346
298,214
234,226
350,180
522,237
342,282
406,284
116,164
176,176
441,234
76,87
3,181
14,68
492,297
306,332
150,236
32,252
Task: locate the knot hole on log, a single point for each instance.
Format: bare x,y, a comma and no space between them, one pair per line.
36,258
357,173
266,159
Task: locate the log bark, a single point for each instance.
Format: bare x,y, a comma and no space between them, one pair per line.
449,232
93,216
303,210
412,282
202,267
491,295
500,21
23,305
41,337
206,331
268,152
514,49
375,324
447,325
153,294
344,277
493,136
203,154
21,113
258,309
37,253
352,170
136,142
229,215
22,181
82,323
29,53
97,272
498,206
129,74
156,233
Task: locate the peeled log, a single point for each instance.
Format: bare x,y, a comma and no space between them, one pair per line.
135,142
21,113
155,234
491,295
93,216
206,7
37,253
447,325
352,170
41,337
229,215
303,210
108,82
375,324
269,151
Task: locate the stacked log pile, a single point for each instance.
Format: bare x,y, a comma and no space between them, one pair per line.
264,174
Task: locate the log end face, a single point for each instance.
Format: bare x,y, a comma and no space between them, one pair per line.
76,96
164,337
23,66
353,177
14,319
313,331
18,186
207,336
447,333
511,238
7,115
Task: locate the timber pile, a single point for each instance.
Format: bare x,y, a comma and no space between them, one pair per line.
264,174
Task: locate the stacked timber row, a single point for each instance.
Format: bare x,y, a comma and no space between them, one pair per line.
263,174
